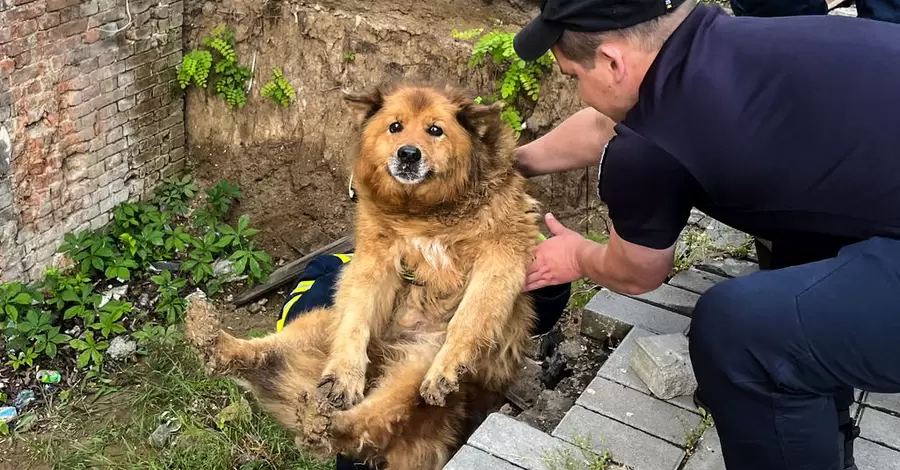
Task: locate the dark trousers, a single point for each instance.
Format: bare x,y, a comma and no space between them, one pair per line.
778,353
880,10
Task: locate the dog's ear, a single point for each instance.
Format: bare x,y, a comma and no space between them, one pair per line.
365,104
478,118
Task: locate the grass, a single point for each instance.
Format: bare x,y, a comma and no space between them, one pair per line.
584,459
693,438
220,429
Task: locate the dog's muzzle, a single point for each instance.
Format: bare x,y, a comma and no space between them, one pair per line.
407,165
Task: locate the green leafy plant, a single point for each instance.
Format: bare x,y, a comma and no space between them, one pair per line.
175,192
84,303
89,349
519,79
110,314
37,334
120,268
171,305
278,89
14,298
194,67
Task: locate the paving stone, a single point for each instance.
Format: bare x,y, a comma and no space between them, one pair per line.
628,446
663,363
708,454
672,298
880,427
872,456
518,443
889,402
639,410
616,368
695,280
470,458
609,314
729,267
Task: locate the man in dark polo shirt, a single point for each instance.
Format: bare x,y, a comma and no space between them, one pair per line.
785,128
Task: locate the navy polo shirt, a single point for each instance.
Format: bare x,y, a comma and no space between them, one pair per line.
785,128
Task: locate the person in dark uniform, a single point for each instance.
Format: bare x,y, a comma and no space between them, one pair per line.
784,128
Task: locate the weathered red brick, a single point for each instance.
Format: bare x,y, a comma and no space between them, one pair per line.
25,12
89,7
71,28
68,14
24,28
92,36
107,112
17,46
53,5
35,87
5,33
141,59
24,59
25,74
48,20
6,67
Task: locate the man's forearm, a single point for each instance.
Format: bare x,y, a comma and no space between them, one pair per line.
576,143
609,267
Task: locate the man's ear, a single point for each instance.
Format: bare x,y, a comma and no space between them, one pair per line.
365,104
612,57
478,118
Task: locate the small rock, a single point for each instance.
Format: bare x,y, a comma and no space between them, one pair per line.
170,425
144,301
223,267
229,298
120,348
23,399
571,349
254,308
663,363
555,404
507,410
263,301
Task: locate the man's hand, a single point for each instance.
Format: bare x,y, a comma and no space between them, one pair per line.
555,260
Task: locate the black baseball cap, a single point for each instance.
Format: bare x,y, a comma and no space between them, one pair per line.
594,16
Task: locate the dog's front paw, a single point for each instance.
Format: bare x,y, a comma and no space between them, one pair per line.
436,387
341,386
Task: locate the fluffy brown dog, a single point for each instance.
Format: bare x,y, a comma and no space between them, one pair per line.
430,322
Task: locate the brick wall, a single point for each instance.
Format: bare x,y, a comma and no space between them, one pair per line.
93,116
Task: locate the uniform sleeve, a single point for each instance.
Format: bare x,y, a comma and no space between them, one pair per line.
649,194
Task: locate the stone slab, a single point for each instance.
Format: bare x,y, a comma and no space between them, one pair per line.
884,402
880,427
518,443
672,298
708,454
616,369
872,456
663,363
609,314
648,414
695,280
470,458
729,267
628,446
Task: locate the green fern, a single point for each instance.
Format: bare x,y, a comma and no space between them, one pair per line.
278,89
520,77
194,66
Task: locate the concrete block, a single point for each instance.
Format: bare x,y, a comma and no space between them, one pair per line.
470,458
616,368
883,401
671,298
872,456
518,443
708,454
880,427
696,281
729,267
638,410
609,314
628,446
663,363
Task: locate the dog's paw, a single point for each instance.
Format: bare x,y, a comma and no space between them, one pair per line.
436,387
342,387
219,353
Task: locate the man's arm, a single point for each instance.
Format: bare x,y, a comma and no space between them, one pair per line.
624,267
576,143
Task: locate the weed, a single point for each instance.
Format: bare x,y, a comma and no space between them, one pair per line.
565,459
230,76
278,89
695,435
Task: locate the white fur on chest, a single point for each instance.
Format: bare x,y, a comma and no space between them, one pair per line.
432,250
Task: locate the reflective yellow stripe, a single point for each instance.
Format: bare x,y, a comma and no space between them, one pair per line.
303,286
284,312
344,258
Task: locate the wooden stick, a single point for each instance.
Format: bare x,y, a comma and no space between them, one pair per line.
290,271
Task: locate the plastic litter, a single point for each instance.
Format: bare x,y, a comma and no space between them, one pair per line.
8,414
170,425
49,377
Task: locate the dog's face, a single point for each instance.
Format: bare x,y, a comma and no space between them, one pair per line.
420,144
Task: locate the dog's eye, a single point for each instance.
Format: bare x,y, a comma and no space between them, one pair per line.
435,131
395,127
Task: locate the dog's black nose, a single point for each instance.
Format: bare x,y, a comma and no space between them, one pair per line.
409,154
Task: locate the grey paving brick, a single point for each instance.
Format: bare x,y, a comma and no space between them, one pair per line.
616,369
639,410
729,267
518,443
628,446
708,453
470,458
880,427
672,298
889,402
871,456
663,363
695,280
612,314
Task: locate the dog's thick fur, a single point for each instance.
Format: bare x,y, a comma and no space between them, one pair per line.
397,371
